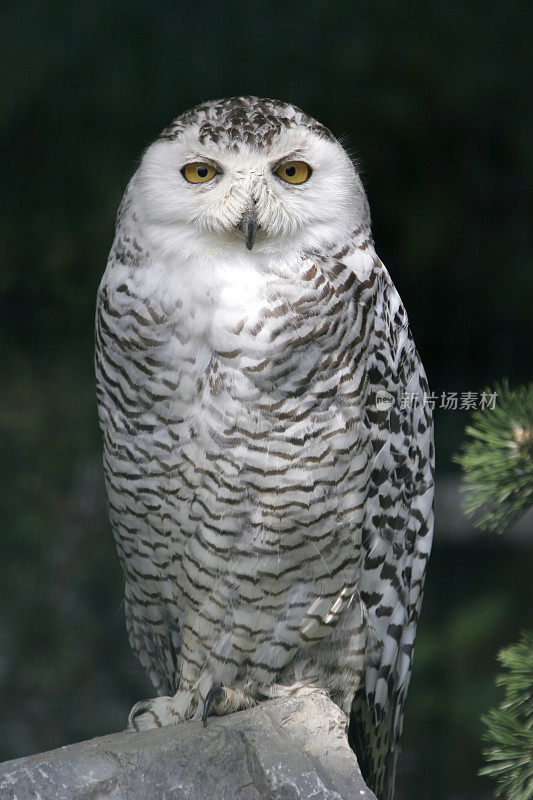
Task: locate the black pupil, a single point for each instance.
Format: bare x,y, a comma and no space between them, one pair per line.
202,172
290,171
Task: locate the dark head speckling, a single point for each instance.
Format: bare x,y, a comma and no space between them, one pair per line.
253,121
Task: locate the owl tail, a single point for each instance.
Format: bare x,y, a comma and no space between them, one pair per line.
375,742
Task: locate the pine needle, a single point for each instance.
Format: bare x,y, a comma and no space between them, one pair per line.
498,460
509,731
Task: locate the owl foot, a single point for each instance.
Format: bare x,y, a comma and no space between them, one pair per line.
188,704
154,713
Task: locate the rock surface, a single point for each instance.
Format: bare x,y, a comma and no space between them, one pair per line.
281,750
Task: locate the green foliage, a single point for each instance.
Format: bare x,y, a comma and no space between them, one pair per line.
467,616
498,460
510,727
498,473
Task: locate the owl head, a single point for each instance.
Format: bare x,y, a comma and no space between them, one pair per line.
247,173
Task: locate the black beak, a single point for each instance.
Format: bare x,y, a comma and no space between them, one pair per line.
248,225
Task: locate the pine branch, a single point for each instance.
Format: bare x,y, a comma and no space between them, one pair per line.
497,464
498,460
510,727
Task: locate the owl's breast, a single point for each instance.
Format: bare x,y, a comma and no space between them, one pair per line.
251,403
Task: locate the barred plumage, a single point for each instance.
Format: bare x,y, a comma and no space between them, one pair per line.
271,498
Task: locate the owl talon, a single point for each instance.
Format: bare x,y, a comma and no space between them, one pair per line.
214,694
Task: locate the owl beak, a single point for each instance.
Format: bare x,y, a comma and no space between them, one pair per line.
248,225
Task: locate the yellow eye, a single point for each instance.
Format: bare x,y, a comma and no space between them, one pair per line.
198,172
294,171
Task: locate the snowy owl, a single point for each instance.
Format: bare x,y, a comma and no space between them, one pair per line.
270,490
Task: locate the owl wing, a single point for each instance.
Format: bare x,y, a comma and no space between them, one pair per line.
396,539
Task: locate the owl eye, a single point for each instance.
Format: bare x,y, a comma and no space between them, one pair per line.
198,172
294,171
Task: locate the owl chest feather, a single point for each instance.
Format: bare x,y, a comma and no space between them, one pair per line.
241,445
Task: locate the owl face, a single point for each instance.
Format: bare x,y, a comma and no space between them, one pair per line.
231,175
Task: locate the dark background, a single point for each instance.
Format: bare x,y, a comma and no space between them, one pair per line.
433,99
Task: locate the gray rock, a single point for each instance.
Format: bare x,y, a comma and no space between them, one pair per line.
281,750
